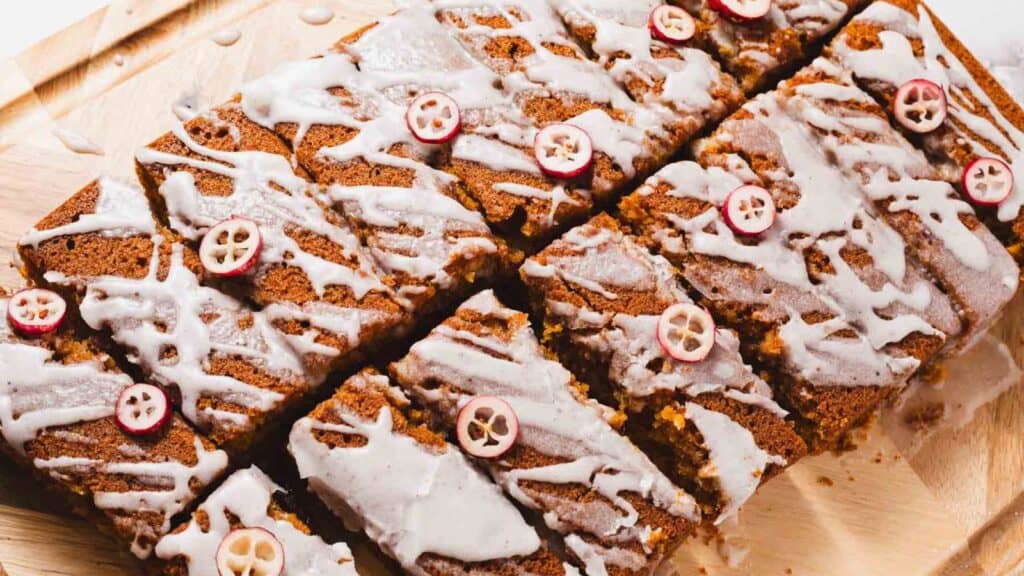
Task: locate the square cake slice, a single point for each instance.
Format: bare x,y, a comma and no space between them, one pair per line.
58,419
617,512
893,42
245,513
375,463
710,421
310,271
232,373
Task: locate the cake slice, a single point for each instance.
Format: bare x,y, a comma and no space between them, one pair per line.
761,50
552,82
896,41
375,463
709,421
617,513
939,229
59,419
674,75
243,525
232,373
344,114
310,271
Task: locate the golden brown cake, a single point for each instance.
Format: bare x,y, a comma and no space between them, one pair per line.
374,462
487,351
58,419
312,275
230,371
708,420
896,41
245,510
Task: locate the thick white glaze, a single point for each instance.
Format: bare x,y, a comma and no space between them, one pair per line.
39,395
601,260
247,496
410,498
555,422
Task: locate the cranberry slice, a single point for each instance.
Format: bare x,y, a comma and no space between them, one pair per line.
434,118
250,552
487,427
563,150
920,106
749,210
686,332
672,24
988,181
36,311
741,10
142,409
231,247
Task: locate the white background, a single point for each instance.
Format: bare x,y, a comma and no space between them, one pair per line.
991,28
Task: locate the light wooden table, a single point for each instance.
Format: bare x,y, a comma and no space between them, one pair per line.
953,509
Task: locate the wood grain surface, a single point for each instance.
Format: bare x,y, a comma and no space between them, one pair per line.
953,508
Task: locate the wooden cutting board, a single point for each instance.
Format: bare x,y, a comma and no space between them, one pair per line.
953,508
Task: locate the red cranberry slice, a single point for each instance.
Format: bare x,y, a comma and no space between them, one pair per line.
231,247
988,181
142,409
434,118
686,332
487,427
563,150
741,10
749,210
36,311
250,552
920,106
672,24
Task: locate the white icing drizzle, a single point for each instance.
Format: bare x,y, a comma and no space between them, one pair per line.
409,498
440,226
265,189
153,317
316,15
895,177
734,457
545,73
624,45
988,131
121,210
751,45
630,344
227,37
553,421
247,496
77,143
39,394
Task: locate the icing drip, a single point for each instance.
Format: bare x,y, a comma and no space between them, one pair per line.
39,395
246,497
734,457
121,210
976,122
298,93
409,498
174,328
544,72
754,47
552,421
258,179
629,342
897,178
625,47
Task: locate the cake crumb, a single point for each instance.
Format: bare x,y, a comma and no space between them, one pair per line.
826,481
